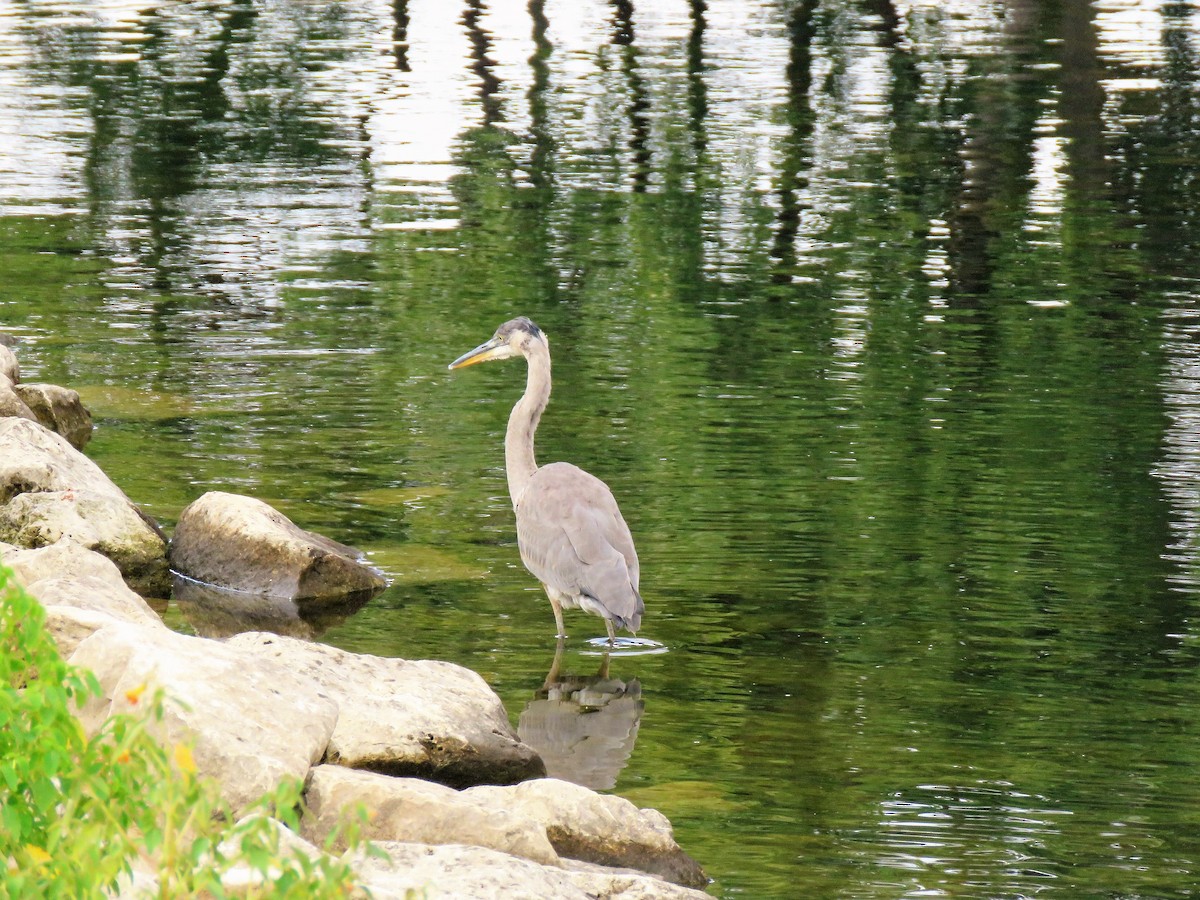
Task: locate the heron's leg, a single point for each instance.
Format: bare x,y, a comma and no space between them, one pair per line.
612,633
562,632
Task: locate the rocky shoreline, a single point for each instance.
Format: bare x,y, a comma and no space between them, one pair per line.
458,804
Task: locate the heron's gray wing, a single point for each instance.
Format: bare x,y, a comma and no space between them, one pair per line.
572,537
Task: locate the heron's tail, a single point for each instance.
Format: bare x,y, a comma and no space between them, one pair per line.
632,623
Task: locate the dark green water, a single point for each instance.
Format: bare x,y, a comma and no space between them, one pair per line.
880,320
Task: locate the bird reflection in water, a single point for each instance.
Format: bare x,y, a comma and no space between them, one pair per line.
583,726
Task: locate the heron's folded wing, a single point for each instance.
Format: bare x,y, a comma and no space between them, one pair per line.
573,538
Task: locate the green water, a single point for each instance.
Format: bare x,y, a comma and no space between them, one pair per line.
880,320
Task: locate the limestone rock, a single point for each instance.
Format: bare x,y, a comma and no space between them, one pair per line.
8,362
598,828
243,880
97,595
455,872
60,410
244,544
34,460
11,403
106,523
459,873
62,559
68,574
425,718
252,722
605,883
408,809
70,626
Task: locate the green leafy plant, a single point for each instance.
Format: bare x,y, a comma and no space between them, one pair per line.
79,813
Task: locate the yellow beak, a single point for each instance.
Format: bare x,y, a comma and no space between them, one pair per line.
493,349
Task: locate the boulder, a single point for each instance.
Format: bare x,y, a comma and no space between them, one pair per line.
251,721
81,591
60,410
425,718
62,559
97,595
597,828
244,544
70,626
33,458
458,872
8,361
242,879
605,883
33,461
409,809
109,524
11,403
142,881
455,872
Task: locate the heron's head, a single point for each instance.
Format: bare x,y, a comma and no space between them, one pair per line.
514,338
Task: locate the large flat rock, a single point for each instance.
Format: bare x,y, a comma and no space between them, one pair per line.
426,718
67,573
456,872
81,590
409,809
252,722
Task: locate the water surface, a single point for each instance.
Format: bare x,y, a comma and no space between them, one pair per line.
879,318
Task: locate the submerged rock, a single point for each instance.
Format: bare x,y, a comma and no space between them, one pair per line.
424,718
49,490
60,410
244,544
251,721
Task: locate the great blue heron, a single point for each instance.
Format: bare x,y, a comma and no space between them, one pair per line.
570,533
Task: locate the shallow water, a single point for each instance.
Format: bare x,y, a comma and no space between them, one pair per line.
879,319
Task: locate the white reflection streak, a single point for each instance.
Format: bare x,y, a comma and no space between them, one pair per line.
42,137
417,115
1048,175
947,831
1130,33
747,89
1180,469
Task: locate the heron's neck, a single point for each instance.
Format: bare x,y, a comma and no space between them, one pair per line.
523,422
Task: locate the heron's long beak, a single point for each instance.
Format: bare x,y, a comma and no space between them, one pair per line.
493,349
